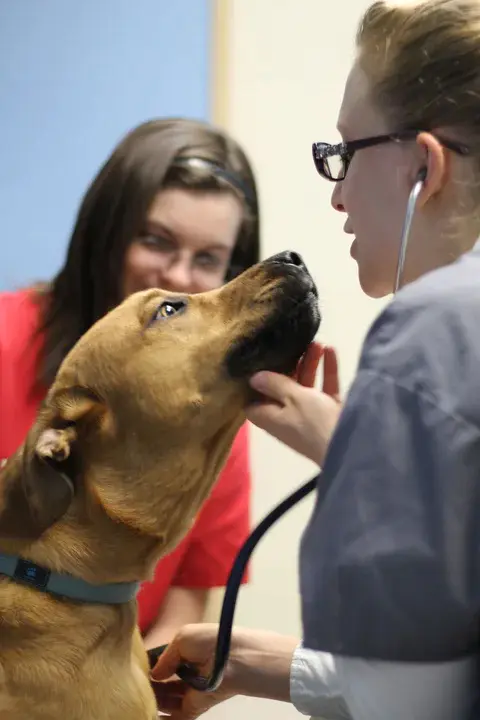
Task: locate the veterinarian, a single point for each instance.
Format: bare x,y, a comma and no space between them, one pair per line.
174,206
390,560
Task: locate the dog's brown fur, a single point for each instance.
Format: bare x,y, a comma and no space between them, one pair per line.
141,418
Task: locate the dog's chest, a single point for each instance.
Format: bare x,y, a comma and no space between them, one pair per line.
105,698
59,662
101,686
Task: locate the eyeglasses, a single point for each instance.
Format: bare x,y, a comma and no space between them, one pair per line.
332,161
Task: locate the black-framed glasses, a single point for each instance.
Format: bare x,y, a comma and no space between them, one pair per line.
332,161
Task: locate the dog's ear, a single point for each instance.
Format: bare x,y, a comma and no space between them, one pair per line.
48,476
38,483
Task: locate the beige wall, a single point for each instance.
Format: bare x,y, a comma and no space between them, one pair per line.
279,73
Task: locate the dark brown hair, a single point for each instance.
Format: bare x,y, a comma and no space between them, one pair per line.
112,212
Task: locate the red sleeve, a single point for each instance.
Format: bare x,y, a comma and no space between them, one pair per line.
19,349
222,525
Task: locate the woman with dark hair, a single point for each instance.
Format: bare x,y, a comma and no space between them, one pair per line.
175,206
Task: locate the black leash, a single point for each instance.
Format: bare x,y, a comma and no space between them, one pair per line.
187,672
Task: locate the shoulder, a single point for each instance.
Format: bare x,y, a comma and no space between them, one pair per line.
443,304
19,315
19,324
427,339
13,299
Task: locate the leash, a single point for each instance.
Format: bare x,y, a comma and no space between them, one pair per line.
187,672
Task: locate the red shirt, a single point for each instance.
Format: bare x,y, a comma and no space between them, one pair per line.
204,558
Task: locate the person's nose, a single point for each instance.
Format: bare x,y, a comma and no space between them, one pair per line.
177,276
336,200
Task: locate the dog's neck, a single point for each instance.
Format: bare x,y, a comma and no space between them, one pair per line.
118,526
85,544
90,552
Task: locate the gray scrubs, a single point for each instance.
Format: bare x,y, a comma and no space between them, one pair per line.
390,560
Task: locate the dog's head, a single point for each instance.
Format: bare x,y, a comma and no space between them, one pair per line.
144,409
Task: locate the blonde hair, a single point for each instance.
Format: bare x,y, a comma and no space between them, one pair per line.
423,61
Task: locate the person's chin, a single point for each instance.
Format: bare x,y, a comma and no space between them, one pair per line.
371,287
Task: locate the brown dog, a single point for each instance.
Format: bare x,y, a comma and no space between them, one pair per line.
128,444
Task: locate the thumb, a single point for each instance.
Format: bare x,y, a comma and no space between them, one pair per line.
167,663
273,385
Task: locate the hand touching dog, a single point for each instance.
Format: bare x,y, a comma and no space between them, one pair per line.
292,409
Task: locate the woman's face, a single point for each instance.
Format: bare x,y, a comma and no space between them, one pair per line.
186,242
374,194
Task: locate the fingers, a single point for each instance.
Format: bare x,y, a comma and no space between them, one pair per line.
166,702
273,385
308,366
167,663
264,415
280,387
169,695
179,701
331,381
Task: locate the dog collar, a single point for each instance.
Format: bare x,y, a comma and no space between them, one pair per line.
64,585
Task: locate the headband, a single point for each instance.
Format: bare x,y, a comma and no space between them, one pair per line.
220,172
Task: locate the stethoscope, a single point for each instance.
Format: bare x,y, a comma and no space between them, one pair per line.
407,224
186,672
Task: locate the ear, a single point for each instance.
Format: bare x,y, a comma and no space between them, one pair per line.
38,483
435,161
49,475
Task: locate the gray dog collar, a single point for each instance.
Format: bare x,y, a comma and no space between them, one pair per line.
64,585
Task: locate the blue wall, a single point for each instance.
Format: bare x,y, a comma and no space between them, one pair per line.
75,75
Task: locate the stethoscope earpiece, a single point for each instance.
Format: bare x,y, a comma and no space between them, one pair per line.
422,175
412,201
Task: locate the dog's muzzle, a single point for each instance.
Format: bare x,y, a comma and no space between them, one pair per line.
291,326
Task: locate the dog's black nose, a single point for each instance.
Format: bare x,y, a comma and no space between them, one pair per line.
292,259
289,258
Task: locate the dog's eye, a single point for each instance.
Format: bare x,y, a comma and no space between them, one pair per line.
168,308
